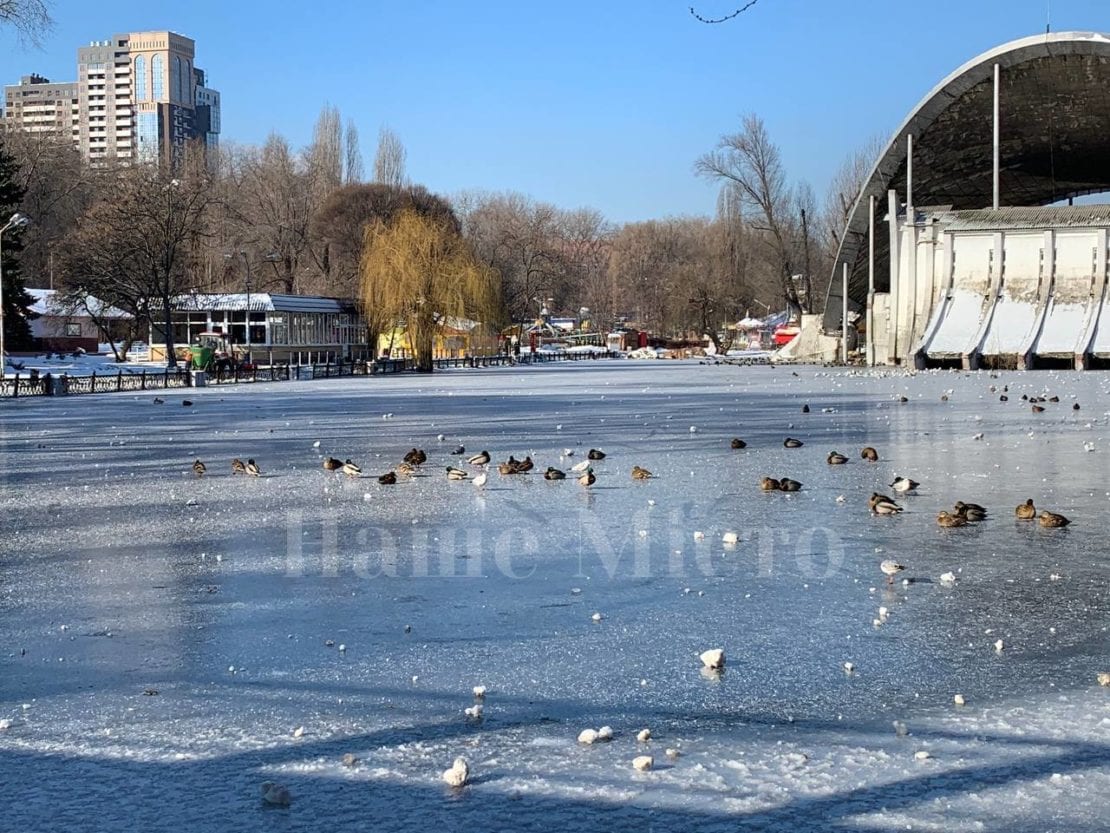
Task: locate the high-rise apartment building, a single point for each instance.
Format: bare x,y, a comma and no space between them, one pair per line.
138,97
39,105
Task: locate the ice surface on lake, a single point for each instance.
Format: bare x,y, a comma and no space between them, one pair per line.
121,572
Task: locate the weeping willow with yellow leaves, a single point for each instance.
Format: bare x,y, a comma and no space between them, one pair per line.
418,272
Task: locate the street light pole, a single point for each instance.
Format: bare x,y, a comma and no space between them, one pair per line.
247,264
17,220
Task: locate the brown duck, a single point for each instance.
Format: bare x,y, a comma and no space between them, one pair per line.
947,520
1052,520
1026,511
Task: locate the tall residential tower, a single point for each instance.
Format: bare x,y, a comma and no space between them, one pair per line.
138,96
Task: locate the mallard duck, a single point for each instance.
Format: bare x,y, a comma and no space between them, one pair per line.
387,479
738,443
788,485
904,484
199,468
459,450
1054,399
1003,398
805,409
1075,406
507,468
971,512
1038,409
553,473
944,519
416,457
1026,511
882,505
890,569
835,458
595,454
769,484
351,469
869,454
790,442
587,478
639,473
406,469
479,459
332,464
525,465
1052,520
238,466
456,474
252,468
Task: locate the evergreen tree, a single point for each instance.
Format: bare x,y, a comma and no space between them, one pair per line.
17,303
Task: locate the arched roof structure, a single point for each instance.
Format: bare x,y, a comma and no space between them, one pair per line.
1054,144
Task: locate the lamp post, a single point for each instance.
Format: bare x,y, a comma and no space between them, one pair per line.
17,220
247,264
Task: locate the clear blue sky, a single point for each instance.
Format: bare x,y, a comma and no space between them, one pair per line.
605,104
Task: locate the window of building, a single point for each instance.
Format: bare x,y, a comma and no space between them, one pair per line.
147,134
176,91
140,79
73,330
157,72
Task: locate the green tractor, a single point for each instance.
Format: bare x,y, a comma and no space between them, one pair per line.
211,352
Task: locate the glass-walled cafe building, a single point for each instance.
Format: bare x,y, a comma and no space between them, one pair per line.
272,327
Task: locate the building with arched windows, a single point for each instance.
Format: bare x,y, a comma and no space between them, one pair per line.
139,96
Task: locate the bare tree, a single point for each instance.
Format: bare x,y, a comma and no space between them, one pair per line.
271,203
389,161
845,188
751,161
56,187
352,167
586,238
133,248
30,18
325,154
522,240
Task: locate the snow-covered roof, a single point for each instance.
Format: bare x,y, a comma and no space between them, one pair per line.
51,303
260,302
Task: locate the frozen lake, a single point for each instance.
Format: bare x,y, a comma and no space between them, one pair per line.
121,573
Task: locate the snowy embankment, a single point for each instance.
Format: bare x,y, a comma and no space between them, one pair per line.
171,642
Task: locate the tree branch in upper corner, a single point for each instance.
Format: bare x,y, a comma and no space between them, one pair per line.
727,17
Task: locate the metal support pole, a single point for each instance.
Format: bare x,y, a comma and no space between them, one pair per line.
844,316
895,300
997,76
871,282
909,170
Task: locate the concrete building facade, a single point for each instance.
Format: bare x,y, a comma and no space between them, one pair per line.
138,97
39,105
